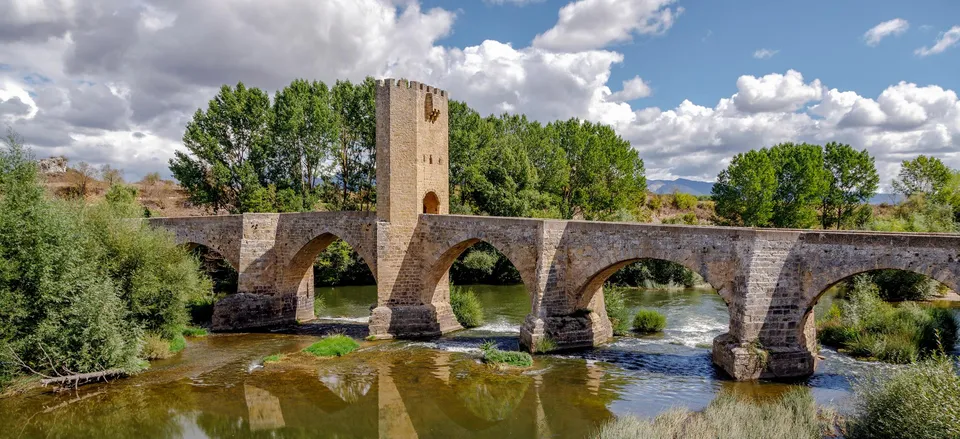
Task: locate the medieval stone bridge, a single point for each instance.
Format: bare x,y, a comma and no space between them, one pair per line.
770,279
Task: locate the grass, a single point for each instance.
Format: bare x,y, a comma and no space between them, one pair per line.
792,416
318,305
275,358
648,321
466,307
333,346
865,326
921,401
492,355
544,345
616,305
177,344
194,332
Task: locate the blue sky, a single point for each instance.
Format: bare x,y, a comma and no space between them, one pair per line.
115,81
713,42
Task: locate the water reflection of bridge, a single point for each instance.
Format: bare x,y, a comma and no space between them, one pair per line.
458,398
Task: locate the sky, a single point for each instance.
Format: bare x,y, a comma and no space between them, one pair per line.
689,83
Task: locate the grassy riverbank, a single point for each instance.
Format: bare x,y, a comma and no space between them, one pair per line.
865,326
83,286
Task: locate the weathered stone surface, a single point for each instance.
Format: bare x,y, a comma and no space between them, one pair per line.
770,279
53,166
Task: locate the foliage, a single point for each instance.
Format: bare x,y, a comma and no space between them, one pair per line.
80,285
483,264
332,346
275,358
339,264
900,285
466,306
801,180
852,180
791,416
655,202
155,348
918,214
648,321
318,305
615,302
916,402
494,356
655,273
744,190
684,201
868,327
923,175
688,218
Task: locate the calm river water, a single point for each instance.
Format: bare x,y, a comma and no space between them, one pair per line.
218,387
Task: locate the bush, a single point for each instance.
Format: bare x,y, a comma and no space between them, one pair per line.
688,218
867,327
155,348
655,273
655,202
544,345
648,321
492,355
918,402
333,346
900,285
466,306
684,201
616,305
792,416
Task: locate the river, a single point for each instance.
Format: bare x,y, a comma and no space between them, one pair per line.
219,388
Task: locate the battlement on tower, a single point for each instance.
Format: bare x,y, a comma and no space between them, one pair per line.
403,83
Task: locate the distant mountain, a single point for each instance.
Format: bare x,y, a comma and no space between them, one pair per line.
704,187
679,185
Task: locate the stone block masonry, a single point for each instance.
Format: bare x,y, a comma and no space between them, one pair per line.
769,279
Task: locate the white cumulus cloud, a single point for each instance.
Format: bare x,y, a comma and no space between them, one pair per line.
594,24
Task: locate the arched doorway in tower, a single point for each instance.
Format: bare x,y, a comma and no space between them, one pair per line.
223,277
343,286
890,315
487,293
431,203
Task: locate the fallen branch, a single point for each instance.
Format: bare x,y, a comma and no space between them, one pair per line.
83,378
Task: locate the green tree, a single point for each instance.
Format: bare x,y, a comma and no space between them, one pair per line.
923,175
231,155
801,183
306,132
355,158
744,191
852,179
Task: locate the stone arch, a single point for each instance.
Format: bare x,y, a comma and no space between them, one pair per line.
431,203
438,266
814,291
296,272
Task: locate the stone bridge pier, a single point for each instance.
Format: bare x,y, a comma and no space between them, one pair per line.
769,279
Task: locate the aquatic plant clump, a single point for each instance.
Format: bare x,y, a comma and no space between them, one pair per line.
918,402
867,327
492,355
194,332
793,416
333,346
616,305
466,306
648,321
275,358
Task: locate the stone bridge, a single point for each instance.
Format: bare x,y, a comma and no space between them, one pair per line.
770,279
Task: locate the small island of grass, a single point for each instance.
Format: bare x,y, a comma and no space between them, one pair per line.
648,321
494,356
333,346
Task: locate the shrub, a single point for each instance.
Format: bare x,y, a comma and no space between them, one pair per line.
684,201
492,355
616,305
917,402
466,306
648,321
332,346
655,202
688,218
792,416
178,343
155,348
899,285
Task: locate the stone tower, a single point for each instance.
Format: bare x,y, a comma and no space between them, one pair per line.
412,180
412,161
